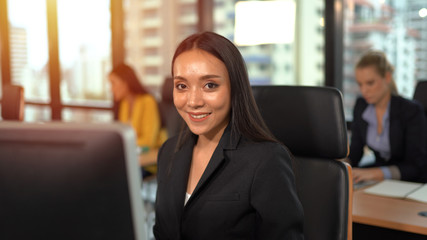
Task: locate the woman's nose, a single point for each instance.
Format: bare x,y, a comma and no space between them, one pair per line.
362,89
195,98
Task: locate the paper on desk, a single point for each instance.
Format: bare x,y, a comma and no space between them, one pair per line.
419,195
393,188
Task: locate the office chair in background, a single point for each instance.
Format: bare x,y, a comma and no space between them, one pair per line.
310,122
12,103
420,95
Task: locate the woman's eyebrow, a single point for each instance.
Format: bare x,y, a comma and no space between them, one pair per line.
209,76
204,77
178,78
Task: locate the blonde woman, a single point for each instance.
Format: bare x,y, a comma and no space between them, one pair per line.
391,126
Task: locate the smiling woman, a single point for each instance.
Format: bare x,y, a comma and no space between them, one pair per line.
225,175
202,93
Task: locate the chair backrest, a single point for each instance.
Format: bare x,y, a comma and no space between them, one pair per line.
420,94
310,122
12,103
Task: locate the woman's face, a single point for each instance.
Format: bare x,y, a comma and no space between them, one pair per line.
119,87
202,92
372,85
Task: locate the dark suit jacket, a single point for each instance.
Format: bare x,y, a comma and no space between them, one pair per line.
246,192
407,137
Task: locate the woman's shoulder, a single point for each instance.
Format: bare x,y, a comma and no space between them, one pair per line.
405,108
170,144
167,149
360,103
146,97
266,149
405,101
405,104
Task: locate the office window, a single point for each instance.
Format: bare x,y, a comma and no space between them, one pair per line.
85,56
153,30
84,38
29,53
86,115
395,27
301,53
35,113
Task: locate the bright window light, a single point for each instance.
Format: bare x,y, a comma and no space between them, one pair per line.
322,22
264,22
423,12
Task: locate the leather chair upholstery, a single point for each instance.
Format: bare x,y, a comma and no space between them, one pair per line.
420,95
310,122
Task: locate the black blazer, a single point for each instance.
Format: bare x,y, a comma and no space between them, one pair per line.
246,192
407,137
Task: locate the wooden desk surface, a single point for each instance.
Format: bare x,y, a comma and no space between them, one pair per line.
149,158
386,212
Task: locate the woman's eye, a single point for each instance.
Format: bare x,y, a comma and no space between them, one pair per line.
211,85
180,86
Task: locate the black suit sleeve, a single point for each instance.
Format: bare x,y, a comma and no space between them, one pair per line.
414,140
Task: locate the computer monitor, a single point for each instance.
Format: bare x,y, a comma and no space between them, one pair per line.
69,181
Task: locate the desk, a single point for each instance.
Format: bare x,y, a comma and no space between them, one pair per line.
149,158
391,213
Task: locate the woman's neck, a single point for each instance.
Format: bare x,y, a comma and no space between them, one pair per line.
204,142
382,104
211,140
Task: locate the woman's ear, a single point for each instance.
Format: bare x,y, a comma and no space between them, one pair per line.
388,77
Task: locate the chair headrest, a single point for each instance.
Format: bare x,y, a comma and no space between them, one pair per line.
308,120
420,93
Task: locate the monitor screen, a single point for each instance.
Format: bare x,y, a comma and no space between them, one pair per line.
69,181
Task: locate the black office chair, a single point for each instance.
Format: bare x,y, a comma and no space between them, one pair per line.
310,122
420,95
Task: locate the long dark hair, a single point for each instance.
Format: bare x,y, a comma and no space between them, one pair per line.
127,74
245,116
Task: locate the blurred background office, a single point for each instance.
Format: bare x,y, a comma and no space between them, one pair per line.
61,51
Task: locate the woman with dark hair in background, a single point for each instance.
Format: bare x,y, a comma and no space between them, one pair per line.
391,126
137,106
225,176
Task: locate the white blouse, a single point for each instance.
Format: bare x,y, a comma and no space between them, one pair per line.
187,196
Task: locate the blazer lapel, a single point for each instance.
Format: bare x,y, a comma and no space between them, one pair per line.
215,161
181,170
394,125
227,142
